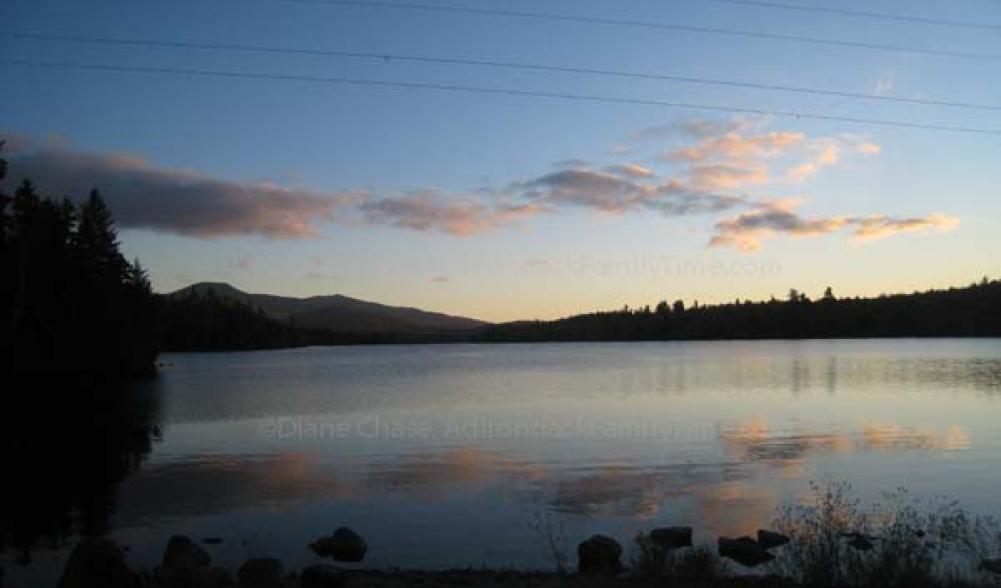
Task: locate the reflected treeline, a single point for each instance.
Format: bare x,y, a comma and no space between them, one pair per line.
957,312
67,444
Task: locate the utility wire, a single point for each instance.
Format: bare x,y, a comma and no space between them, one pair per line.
657,25
496,91
863,14
385,57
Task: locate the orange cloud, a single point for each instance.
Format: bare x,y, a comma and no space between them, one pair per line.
879,227
726,177
631,170
747,231
734,146
868,148
828,155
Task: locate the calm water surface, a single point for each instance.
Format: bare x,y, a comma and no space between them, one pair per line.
446,455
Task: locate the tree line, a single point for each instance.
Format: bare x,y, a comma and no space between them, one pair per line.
70,299
207,322
973,311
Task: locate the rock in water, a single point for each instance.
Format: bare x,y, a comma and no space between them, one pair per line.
97,563
859,541
599,555
744,551
260,573
322,576
344,545
770,539
184,554
672,537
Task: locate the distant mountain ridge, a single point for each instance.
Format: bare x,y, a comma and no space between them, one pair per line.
338,313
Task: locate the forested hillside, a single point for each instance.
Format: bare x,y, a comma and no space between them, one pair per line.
974,311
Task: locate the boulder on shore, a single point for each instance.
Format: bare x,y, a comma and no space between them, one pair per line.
97,562
599,554
184,554
212,577
770,539
344,545
671,537
744,551
260,572
322,576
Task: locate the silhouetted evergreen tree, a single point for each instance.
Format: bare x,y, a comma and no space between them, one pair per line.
71,301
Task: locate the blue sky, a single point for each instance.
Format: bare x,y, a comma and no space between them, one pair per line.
506,207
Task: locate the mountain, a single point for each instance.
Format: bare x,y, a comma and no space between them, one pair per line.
339,314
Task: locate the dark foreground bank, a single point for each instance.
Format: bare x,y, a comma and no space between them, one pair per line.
829,542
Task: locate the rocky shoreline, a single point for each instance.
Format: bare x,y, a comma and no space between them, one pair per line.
185,563
665,553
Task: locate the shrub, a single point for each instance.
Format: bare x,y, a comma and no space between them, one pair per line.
698,564
913,544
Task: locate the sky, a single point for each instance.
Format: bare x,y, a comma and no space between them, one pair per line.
528,204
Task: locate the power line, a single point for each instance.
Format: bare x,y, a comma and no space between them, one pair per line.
863,14
561,17
497,91
498,64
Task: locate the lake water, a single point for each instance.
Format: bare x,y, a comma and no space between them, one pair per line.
450,455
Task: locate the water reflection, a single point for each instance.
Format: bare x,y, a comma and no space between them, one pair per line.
753,440
67,444
203,485
214,387
609,438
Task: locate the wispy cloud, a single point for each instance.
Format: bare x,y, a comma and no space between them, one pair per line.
724,176
632,170
178,201
824,156
746,231
871,228
882,87
606,192
698,167
867,148
430,210
735,146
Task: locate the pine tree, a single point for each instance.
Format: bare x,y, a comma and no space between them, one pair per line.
97,238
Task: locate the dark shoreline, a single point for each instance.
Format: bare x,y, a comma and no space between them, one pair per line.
402,343
973,311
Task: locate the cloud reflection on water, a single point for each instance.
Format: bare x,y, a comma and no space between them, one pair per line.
727,495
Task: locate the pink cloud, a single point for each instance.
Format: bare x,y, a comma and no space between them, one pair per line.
747,231
722,176
876,227
429,210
